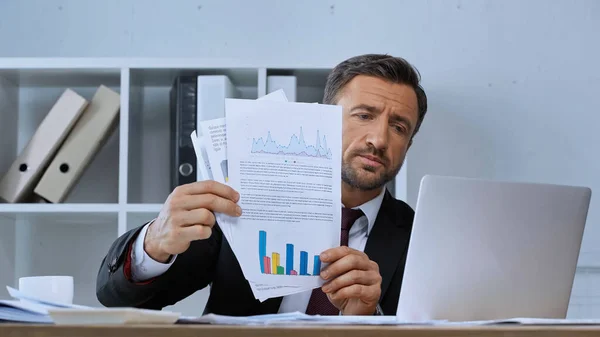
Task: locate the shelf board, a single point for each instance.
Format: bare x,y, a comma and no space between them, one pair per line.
138,63
77,208
59,78
60,214
58,208
143,208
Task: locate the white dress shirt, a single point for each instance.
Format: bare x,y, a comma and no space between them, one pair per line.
143,267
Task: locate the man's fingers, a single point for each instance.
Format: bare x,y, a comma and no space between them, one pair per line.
226,206
196,232
346,264
208,201
365,293
350,278
209,187
201,216
336,253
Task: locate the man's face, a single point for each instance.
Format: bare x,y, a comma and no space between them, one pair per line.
378,121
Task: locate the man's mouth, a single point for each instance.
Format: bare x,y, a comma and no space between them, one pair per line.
371,160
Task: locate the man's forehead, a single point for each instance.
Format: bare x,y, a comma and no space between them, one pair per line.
398,97
367,85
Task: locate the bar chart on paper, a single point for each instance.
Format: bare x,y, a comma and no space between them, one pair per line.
284,263
296,146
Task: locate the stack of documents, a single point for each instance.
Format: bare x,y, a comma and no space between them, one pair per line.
27,309
284,158
297,318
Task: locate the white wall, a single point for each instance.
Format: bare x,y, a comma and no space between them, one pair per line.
513,85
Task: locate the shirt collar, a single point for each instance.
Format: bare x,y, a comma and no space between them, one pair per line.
371,209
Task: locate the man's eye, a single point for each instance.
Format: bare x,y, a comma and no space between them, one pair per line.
400,129
363,116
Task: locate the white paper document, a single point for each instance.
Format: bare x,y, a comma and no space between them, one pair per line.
25,308
313,176
293,318
204,170
529,321
297,318
215,141
213,148
28,309
285,161
211,152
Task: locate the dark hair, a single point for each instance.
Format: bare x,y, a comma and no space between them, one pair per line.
394,69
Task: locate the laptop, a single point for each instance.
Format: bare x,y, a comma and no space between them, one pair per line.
488,250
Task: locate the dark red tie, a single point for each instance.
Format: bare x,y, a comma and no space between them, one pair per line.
319,304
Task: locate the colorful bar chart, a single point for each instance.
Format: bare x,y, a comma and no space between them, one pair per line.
266,267
316,266
275,263
289,258
271,263
262,249
303,263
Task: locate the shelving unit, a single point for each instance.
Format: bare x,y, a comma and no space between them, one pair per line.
128,180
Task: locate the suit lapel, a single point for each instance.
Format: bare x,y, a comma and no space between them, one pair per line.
388,240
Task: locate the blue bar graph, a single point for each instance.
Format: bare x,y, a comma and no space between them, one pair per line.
273,262
317,266
289,259
262,249
303,263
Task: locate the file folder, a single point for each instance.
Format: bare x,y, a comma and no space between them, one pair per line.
89,134
18,183
182,106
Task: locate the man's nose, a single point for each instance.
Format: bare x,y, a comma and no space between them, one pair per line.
378,135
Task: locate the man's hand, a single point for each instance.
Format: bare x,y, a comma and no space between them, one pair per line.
353,281
187,215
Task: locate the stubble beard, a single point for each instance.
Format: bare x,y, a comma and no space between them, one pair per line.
352,177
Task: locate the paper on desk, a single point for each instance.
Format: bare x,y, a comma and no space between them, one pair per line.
14,293
346,320
528,321
285,161
237,320
23,311
297,318
28,309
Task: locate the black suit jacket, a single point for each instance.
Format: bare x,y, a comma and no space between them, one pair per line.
212,262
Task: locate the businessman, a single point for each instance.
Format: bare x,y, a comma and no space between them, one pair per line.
183,249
